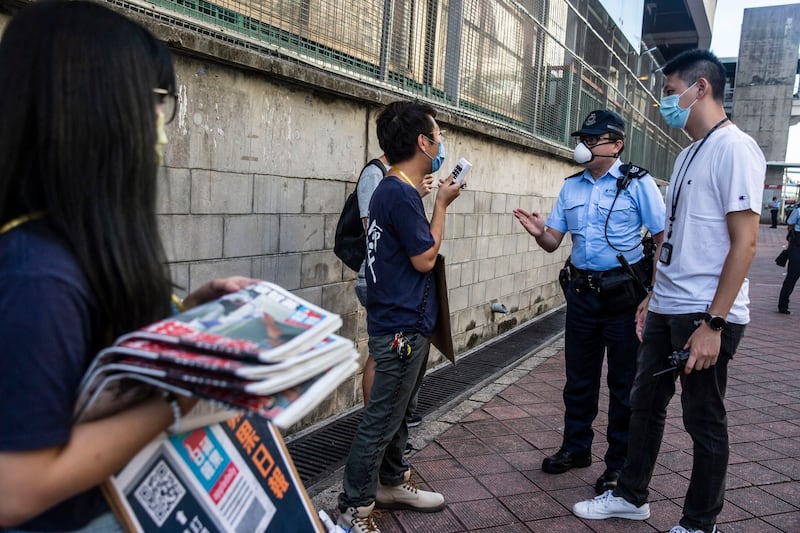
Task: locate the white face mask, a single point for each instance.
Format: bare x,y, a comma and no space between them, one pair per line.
582,154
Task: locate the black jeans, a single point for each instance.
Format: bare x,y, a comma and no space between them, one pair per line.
590,331
774,215
792,275
704,417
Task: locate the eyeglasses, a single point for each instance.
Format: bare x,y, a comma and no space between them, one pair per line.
431,134
168,103
592,140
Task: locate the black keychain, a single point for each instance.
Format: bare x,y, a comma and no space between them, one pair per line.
401,345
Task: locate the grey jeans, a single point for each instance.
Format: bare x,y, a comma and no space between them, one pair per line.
377,449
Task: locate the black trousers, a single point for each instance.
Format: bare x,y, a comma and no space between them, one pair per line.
774,213
590,332
792,274
704,417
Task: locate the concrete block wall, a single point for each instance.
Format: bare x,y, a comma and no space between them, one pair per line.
262,155
257,170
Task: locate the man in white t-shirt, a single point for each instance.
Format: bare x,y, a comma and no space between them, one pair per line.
700,298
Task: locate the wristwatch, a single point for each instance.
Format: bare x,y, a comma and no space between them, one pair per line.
717,323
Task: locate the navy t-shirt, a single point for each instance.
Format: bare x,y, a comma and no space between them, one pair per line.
396,291
48,338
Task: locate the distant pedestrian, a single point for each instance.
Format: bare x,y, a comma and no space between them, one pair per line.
793,266
699,301
774,207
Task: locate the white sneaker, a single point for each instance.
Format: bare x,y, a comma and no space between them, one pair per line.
359,519
408,496
609,506
680,529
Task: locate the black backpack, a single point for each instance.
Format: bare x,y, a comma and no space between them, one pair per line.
350,240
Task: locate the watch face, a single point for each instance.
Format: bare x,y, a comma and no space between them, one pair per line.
716,323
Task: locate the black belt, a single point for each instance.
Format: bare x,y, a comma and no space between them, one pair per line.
590,279
596,273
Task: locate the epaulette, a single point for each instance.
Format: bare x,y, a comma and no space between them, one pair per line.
574,175
629,172
635,172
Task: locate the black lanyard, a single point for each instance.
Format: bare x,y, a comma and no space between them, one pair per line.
676,195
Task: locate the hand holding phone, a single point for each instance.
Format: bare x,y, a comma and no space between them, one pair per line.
460,172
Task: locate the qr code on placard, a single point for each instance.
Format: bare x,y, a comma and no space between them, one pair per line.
160,492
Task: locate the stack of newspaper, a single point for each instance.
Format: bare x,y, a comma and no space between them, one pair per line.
261,350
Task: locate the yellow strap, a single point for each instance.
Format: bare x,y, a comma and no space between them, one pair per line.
11,224
178,302
402,175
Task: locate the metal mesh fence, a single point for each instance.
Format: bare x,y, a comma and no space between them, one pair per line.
537,67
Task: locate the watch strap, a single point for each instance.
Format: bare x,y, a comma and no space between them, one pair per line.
717,323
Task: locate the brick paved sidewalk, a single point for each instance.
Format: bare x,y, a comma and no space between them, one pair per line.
488,450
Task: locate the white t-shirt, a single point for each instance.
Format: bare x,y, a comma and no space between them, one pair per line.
726,175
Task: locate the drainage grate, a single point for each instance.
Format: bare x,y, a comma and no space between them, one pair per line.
319,453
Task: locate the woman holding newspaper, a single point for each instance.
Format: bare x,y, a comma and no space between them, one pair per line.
83,94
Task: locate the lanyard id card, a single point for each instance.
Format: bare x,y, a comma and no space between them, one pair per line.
666,253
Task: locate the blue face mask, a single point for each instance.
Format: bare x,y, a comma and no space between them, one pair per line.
436,162
673,113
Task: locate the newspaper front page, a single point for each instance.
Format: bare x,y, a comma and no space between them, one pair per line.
236,476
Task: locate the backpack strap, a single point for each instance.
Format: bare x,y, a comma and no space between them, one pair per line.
378,163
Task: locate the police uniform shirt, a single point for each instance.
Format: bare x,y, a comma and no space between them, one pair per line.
793,219
583,206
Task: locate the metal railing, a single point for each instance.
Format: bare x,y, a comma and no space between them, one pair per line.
536,67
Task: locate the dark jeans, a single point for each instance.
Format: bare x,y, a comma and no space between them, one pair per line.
591,331
377,448
774,214
792,274
704,417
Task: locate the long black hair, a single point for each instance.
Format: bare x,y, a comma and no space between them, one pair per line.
77,139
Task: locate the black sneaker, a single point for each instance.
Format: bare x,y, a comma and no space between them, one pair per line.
414,421
784,311
563,461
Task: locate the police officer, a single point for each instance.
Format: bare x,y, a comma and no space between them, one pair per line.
603,207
